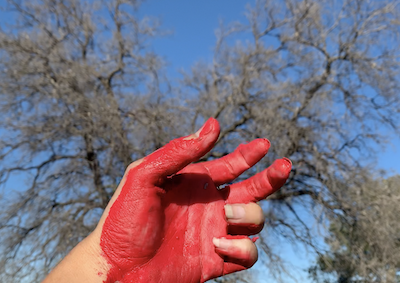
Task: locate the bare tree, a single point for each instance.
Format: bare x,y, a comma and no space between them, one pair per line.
82,96
79,100
364,241
320,79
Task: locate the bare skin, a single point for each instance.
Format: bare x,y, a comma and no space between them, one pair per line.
168,222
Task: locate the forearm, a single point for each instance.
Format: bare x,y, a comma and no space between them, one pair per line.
83,264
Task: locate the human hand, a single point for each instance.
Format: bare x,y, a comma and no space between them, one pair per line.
167,221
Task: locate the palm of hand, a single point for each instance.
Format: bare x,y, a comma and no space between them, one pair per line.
160,228
182,249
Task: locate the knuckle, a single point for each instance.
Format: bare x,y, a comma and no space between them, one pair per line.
179,146
253,187
243,156
229,167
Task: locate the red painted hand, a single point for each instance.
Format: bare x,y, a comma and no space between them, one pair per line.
160,224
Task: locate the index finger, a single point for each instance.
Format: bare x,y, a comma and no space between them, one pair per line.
178,153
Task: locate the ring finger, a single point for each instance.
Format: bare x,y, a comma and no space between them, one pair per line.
244,219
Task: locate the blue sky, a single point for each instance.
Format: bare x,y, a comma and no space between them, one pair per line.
193,24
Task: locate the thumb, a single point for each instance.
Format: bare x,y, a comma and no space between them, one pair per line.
178,153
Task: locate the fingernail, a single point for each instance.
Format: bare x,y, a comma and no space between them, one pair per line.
234,211
279,172
205,129
288,162
267,144
222,243
283,165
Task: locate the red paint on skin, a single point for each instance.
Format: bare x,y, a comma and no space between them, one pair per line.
244,157
160,229
262,184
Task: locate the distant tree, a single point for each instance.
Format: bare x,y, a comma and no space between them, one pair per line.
364,241
82,95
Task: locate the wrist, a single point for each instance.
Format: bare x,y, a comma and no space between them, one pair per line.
84,263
